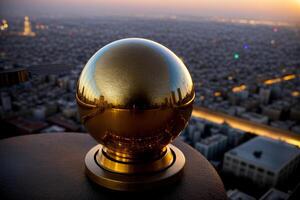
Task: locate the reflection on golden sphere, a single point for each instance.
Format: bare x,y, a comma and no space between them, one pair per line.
134,97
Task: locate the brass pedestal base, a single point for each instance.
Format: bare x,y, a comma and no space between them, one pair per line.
133,182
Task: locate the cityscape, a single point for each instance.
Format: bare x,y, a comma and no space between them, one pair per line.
244,69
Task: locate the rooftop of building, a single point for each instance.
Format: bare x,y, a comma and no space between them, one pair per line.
266,153
273,194
253,115
236,195
12,70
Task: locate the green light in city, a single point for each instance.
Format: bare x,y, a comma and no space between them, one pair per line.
236,56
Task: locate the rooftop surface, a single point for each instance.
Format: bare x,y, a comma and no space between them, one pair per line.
274,154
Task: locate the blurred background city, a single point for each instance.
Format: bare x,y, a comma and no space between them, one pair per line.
244,58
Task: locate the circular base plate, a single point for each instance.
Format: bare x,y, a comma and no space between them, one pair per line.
132,182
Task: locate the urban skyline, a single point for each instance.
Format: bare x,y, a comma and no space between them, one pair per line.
246,70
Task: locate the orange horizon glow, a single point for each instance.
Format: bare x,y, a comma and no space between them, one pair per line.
259,8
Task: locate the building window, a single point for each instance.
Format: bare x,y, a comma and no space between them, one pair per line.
261,170
270,173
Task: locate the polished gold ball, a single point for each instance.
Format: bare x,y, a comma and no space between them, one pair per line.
134,97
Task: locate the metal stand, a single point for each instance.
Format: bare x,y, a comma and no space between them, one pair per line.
133,182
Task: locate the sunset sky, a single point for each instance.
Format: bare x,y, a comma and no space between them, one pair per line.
270,9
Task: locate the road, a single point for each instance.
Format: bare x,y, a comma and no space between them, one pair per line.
247,126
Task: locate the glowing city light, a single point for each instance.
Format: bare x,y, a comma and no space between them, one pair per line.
289,77
272,81
4,25
27,27
272,42
239,88
246,46
275,30
278,80
217,94
295,93
236,56
41,26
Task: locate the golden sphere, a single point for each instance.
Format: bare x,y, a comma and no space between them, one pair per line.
134,97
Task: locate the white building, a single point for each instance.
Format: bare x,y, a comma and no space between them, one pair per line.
238,195
212,146
265,161
273,194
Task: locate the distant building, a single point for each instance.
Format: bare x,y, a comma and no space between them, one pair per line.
39,113
251,104
191,134
265,161
212,146
233,98
69,112
238,195
21,125
13,76
295,113
235,137
61,121
276,110
296,129
286,125
239,110
6,102
196,135
273,194
195,129
265,95
51,108
272,112
27,27
243,94
256,118
71,85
